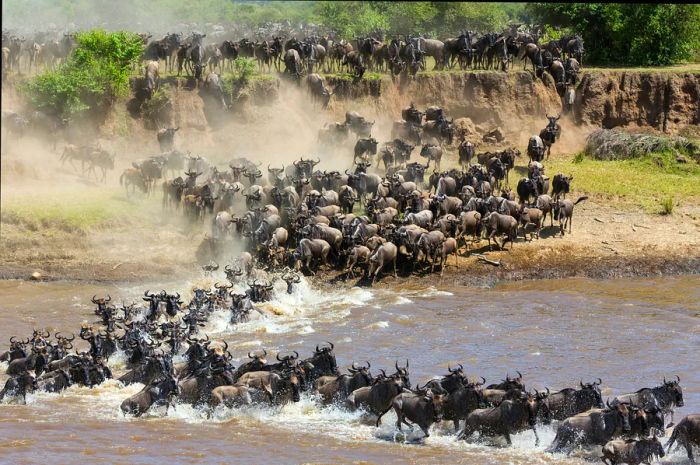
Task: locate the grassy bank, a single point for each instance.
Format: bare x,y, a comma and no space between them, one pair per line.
72,211
647,182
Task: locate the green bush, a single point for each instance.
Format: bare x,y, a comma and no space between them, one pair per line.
628,33
244,69
667,206
93,77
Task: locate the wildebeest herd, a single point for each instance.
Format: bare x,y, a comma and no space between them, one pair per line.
214,52
151,337
412,217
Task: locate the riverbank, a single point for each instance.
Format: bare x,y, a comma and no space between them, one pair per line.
606,242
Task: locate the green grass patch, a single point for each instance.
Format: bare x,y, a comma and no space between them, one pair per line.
73,212
649,181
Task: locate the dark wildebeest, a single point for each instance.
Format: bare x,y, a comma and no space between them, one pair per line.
422,408
17,386
535,148
318,90
466,153
160,393
665,397
340,387
632,452
687,434
377,397
166,138
550,133
510,417
365,146
498,224
569,402
564,211
561,185
596,426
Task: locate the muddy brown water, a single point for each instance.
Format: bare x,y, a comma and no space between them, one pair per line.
630,333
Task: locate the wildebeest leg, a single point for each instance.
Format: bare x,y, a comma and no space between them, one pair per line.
395,267
537,437
508,441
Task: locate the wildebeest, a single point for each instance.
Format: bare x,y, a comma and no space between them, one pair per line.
498,224
166,138
550,133
318,90
151,78
423,409
596,426
311,249
535,148
381,257
466,153
563,212
338,388
569,402
162,392
432,152
665,397
561,185
363,147
292,63
510,417
18,385
632,452
686,434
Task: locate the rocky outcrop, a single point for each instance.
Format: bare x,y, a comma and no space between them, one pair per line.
664,101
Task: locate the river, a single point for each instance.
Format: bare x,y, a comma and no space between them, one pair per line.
630,333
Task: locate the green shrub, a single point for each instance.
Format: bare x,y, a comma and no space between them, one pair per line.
93,77
667,206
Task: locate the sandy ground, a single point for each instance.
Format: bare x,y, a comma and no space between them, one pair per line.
605,242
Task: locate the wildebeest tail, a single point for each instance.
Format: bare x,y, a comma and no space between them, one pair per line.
581,199
673,438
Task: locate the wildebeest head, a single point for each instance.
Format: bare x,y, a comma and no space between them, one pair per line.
552,121
362,371
674,389
622,411
594,390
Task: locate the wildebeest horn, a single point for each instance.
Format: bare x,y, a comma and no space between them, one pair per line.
483,380
369,365
520,375
678,379
581,383
396,364
94,299
353,367
108,299
278,358
383,373
600,381
250,356
12,338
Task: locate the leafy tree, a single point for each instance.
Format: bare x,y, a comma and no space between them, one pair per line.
635,34
95,74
